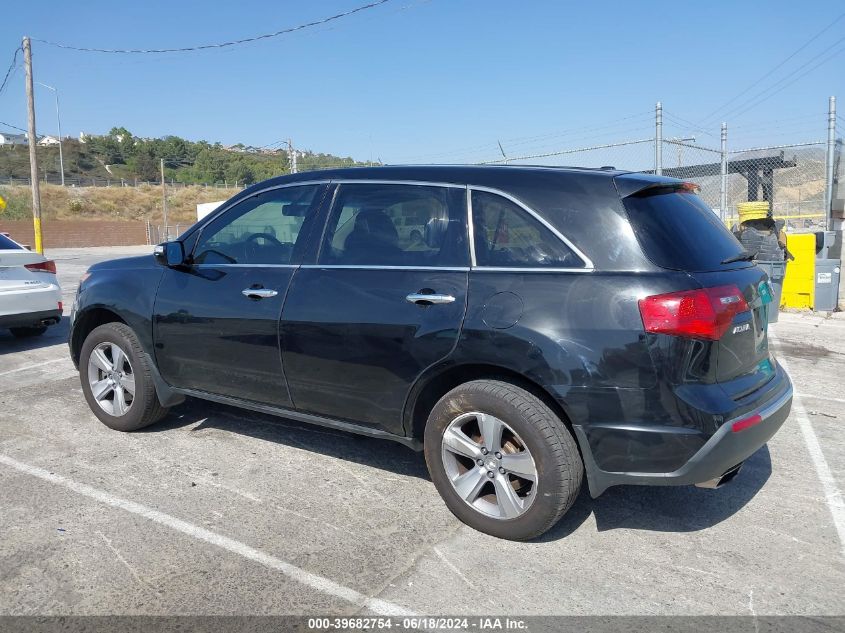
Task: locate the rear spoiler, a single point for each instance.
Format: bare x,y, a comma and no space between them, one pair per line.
644,184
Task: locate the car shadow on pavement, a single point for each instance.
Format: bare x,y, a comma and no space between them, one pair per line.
384,454
55,335
667,508
653,508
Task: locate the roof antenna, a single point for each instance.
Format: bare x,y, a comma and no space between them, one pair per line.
501,149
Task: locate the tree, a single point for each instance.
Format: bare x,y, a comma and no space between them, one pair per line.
144,163
106,148
210,166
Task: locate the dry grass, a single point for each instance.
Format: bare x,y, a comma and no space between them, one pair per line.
113,203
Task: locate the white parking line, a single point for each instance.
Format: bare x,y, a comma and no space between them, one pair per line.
319,583
33,366
813,396
833,496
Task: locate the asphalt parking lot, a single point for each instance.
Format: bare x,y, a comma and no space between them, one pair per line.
222,511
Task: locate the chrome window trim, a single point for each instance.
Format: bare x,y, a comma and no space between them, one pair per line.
504,269
470,227
419,183
246,265
588,263
456,269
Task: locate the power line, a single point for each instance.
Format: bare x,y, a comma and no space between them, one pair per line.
14,127
777,87
684,123
12,66
512,142
567,151
773,70
220,44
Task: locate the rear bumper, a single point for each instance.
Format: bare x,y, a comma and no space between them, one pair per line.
31,319
719,457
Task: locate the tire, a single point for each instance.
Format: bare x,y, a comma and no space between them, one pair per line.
28,332
509,505
139,409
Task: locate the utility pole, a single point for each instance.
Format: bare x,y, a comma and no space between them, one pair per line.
658,138
723,173
164,202
829,160
32,141
291,157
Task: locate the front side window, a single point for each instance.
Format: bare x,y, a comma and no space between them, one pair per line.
396,225
267,228
507,236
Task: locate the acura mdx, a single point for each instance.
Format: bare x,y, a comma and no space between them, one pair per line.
526,327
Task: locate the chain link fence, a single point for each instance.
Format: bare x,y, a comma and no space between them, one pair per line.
54,179
791,177
158,233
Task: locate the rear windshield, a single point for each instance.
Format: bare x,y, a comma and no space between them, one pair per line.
7,244
677,230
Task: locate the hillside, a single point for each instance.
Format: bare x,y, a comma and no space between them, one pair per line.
120,155
111,203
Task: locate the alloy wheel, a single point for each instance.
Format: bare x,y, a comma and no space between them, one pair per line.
111,378
489,465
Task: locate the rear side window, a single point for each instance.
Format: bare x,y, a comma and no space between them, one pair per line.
396,225
507,236
8,245
680,232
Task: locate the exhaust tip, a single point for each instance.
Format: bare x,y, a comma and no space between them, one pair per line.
725,478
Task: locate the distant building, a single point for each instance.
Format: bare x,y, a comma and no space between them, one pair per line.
13,139
49,140
204,208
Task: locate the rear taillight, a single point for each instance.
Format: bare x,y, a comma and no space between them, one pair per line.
48,266
704,313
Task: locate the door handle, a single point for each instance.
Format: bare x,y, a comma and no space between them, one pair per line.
258,293
427,299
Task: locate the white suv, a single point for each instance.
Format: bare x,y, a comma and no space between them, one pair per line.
30,296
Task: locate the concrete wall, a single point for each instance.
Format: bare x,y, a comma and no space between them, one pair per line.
77,233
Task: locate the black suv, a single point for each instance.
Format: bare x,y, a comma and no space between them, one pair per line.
521,325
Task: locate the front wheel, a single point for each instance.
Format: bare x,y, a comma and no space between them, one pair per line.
116,379
503,462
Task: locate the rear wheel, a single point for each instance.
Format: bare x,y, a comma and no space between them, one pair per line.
503,462
116,379
27,332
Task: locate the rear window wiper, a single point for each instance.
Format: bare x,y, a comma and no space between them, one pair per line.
744,256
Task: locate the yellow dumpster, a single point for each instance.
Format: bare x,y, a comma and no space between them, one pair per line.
799,284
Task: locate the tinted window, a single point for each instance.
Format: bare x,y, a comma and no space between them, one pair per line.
508,236
396,225
679,231
263,229
7,244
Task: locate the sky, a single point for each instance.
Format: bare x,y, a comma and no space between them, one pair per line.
434,80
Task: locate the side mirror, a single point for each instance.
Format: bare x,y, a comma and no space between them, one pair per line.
170,254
